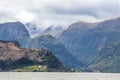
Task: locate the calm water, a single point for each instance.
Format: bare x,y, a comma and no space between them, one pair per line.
58,76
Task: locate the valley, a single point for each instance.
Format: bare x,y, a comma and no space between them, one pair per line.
83,46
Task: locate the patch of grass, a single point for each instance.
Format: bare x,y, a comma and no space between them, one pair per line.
33,68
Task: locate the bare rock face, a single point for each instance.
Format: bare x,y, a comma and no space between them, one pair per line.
53,30
11,56
14,31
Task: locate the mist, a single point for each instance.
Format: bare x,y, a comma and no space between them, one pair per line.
57,12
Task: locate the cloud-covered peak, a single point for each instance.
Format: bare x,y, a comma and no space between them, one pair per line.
61,12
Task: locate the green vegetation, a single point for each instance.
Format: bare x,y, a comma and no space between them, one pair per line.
18,59
33,68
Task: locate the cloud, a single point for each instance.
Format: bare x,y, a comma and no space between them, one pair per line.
62,12
25,16
94,8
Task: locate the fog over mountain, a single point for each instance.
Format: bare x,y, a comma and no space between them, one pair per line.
63,12
82,46
84,35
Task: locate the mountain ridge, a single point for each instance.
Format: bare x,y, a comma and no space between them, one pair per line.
80,43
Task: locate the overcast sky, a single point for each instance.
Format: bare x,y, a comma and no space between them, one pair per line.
58,12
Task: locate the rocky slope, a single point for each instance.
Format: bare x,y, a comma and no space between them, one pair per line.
107,59
50,43
12,57
83,39
32,29
53,30
14,31
17,32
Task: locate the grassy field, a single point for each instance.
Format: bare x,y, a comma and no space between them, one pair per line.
33,68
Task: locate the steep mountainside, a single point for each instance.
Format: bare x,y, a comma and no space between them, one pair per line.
50,43
107,59
54,31
13,57
84,39
14,31
32,29
80,46
17,32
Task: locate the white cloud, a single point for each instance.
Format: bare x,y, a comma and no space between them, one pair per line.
25,16
65,12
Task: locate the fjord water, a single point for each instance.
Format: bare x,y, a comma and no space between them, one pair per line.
58,76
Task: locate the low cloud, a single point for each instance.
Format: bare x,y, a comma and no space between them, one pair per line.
61,12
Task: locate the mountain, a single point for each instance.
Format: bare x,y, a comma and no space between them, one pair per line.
53,30
107,59
12,57
83,39
79,46
32,29
17,32
14,31
50,43
77,40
